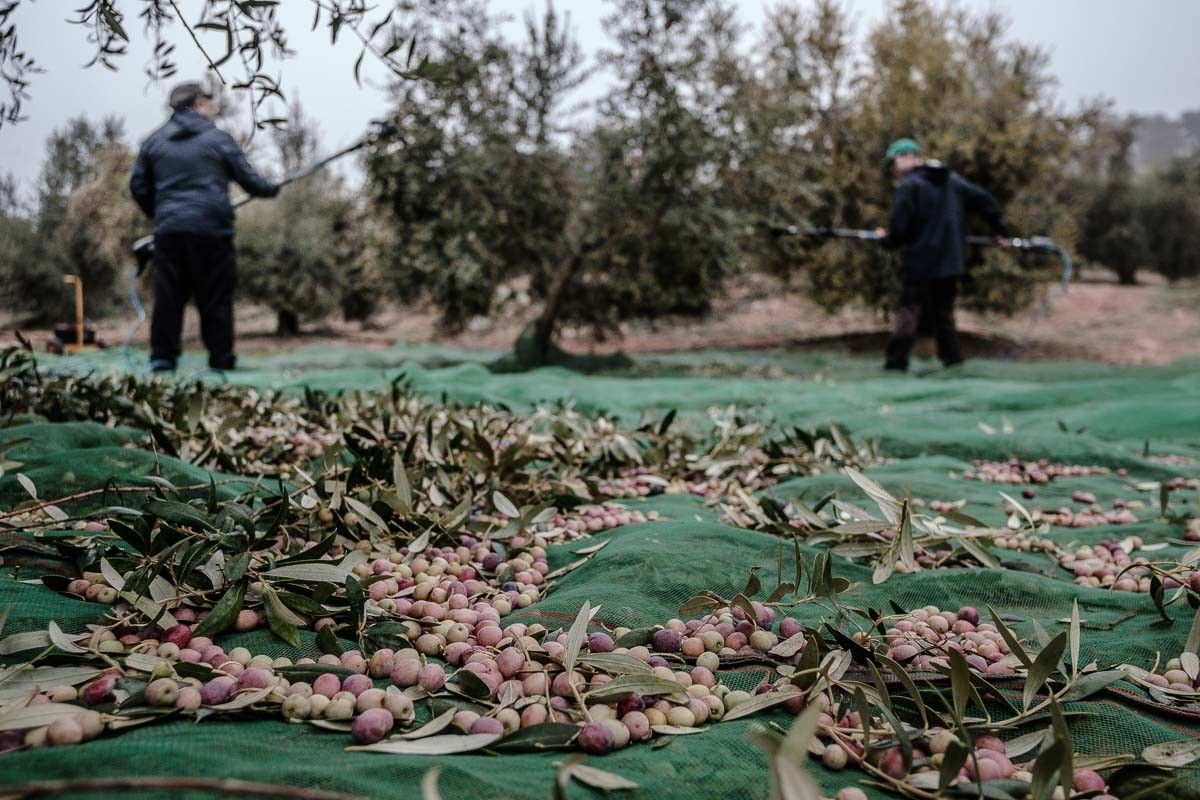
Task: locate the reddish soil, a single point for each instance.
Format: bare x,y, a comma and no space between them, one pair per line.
1152,323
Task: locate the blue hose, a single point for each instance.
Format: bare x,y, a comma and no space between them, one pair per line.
140,312
1045,244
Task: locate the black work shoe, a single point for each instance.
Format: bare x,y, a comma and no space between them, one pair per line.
162,365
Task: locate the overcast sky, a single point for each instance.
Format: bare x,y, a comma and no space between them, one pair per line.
1141,55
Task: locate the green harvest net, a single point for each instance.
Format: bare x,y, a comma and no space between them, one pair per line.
1117,417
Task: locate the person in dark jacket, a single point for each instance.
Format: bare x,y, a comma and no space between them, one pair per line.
929,227
181,179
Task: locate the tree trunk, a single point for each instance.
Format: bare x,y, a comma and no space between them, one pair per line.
286,323
534,345
1127,276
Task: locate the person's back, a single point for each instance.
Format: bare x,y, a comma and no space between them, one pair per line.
181,179
929,220
183,173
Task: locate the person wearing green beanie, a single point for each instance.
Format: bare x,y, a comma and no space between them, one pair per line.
928,226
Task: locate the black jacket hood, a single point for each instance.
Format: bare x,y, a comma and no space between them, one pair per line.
186,124
934,171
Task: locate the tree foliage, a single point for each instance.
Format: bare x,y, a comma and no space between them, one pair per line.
1169,216
1109,226
82,224
246,38
708,136
475,188
292,250
975,99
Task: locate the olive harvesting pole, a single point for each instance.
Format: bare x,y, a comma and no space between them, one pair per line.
1032,244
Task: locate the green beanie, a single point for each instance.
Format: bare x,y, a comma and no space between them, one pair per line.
900,147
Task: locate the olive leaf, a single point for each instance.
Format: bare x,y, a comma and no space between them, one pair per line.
442,745
743,602
429,782
676,730
223,613
761,702
472,685
635,638
178,513
244,700
367,514
62,641
902,675
24,717
1141,782
888,505
505,506
310,672
1043,667
235,568
435,725
1063,734
1014,644
1045,768
114,578
790,646
327,641
626,685
781,591
576,636
1175,754
1090,683
418,545
27,485
400,479
1192,645
591,549
616,663
789,760
311,572
282,620
960,682
1074,637
905,538
753,584
1026,743
23,680
599,779
302,603
538,738
952,762
151,609
698,605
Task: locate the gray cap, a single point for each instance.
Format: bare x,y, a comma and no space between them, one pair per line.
184,95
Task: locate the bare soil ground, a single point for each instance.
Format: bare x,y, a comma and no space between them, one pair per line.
1152,323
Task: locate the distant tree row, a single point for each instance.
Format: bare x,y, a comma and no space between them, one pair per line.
645,204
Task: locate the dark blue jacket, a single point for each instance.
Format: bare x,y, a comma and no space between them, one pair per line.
182,174
929,221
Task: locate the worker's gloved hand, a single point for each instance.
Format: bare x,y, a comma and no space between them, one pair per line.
1003,242
880,233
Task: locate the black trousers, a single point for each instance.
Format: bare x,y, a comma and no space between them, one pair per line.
925,307
204,268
